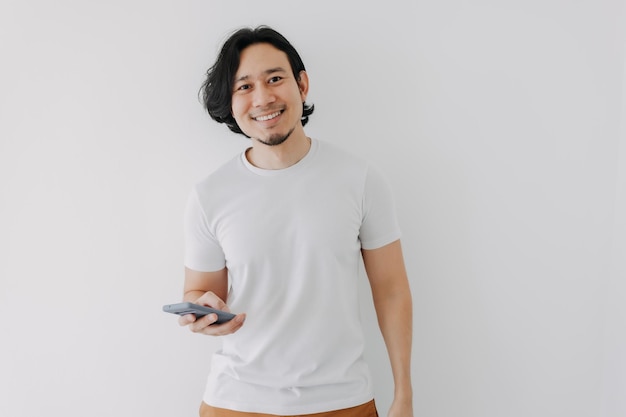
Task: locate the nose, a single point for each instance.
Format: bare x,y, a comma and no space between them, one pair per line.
262,95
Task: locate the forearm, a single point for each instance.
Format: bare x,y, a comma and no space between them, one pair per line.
193,295
395,318
199,283
392,299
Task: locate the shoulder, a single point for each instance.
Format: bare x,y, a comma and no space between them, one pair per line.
220,183
331,153
348,164
226,170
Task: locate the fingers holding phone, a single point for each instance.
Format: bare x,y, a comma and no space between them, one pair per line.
201,318
209,325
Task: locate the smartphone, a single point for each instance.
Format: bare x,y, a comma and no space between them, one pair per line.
199,311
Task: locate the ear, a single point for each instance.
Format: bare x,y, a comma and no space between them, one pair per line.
303,85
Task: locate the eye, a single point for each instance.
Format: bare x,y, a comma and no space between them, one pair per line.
275,79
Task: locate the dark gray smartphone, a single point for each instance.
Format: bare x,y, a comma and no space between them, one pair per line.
199,311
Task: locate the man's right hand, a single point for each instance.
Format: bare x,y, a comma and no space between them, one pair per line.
205,324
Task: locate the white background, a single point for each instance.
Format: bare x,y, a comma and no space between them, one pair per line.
500,125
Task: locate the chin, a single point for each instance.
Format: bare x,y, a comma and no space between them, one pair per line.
276,138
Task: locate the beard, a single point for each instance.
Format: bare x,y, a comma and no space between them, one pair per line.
276,138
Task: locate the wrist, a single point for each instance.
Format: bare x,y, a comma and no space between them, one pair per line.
403,393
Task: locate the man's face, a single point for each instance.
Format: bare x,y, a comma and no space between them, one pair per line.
267,99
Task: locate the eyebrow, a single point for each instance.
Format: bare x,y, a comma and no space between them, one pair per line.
266,72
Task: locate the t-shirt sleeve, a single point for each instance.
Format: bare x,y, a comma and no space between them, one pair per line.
202,250
380,223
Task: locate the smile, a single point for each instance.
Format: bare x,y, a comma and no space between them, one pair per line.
268,116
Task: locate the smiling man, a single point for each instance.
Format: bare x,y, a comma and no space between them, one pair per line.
277,235
266,102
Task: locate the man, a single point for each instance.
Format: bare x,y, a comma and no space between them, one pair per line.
278,233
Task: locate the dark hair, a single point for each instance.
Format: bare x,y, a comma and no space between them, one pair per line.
216,91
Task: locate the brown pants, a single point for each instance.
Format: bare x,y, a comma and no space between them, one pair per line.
365,410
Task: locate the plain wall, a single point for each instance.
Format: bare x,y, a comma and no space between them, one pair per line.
500,126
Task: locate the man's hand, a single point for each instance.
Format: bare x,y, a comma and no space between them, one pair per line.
205,324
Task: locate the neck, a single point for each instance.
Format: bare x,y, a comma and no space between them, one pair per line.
280,156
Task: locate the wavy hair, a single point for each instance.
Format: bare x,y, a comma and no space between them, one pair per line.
216,91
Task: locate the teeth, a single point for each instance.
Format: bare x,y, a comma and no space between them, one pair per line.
268,117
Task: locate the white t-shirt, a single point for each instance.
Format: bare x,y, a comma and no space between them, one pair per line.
291,240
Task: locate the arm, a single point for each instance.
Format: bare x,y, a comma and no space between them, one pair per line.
392,300
208,289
